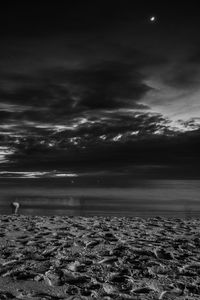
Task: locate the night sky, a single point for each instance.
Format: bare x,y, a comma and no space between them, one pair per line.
99,87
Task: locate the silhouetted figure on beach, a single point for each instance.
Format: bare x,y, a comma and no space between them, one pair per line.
15,207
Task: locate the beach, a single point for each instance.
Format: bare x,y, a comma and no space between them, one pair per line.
74,257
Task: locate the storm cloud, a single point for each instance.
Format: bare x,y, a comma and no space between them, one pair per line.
98,85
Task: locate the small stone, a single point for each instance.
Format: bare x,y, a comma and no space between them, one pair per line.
109,289
108,260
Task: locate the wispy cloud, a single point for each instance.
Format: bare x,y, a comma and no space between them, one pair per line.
36,174
5,153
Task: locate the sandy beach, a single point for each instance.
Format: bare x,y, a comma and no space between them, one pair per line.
99,258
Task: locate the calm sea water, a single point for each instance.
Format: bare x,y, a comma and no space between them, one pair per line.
176,198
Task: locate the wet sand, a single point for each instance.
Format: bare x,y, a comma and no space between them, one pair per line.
99,258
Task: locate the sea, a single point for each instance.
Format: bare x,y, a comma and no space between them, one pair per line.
99,197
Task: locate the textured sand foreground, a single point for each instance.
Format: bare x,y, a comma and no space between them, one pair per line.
99,258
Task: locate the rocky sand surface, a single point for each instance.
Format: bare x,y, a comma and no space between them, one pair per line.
99,258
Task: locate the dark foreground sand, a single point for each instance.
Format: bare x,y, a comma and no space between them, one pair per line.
99,258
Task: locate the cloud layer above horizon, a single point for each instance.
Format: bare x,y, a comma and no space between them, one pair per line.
114,92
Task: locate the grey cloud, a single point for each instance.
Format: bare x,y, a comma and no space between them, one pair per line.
183,75
59,93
